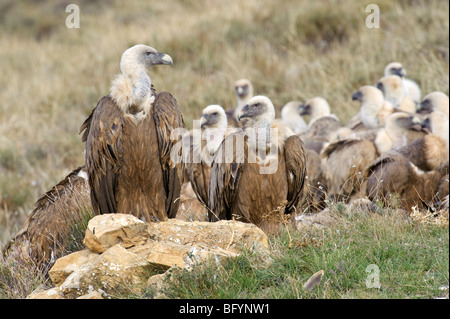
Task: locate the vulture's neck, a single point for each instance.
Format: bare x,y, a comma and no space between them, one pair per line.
260,137
214,137
133,93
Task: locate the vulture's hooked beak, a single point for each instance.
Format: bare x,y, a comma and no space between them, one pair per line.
162,58
357,96
426,125
243,112
203,121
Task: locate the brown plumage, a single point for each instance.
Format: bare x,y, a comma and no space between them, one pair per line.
343,164
203,149
131,160
252,188
49,227
392,173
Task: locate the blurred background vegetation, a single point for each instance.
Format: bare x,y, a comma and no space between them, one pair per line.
52,76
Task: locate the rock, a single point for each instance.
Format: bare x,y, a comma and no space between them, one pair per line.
66,265
91,295
313,281
105,231
165,254
124,252
228,235
319,220
52,293
191,210
115,271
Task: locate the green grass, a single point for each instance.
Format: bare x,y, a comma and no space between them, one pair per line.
412,260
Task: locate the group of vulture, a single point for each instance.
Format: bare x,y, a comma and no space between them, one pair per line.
244,163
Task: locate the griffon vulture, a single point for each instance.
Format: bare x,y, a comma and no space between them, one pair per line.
374,108
392,173
321,124
344,161
410,87
203,149
393,92
400,129
49,227
258,173
290,115
434,101
431,151
243,89
129,148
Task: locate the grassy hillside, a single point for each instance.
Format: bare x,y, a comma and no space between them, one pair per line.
53,76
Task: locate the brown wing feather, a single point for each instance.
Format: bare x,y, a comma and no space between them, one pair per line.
47,229
103,154
198,175
224,177
295,157
167,118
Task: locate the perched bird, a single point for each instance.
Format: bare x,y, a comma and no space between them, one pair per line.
400,129
131,158
53,222
203,149
322,123
290,115
258,173
434,101
410,87
393,92
374,108
243,89
393,174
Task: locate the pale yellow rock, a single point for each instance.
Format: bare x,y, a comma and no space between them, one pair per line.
91,295
105,231
115,271
225,234
66,265
52,293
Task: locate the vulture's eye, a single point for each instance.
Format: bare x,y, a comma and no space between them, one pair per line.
214,114
147,53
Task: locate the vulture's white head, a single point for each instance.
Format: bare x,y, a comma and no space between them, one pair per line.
437,123
395,68
213,116
142,57
244,91
369,95
213,127
434,101
132,88
392,89
260,109
316,107
290,114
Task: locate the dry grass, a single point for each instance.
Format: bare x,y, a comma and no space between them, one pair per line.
53,76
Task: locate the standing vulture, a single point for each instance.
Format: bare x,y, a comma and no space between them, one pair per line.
54,222
410,87
131,158
256,175
244,91
203,148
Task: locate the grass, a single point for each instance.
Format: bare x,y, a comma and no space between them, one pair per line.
53,76
412,261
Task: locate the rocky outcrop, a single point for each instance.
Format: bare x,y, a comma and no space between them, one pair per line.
125,255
